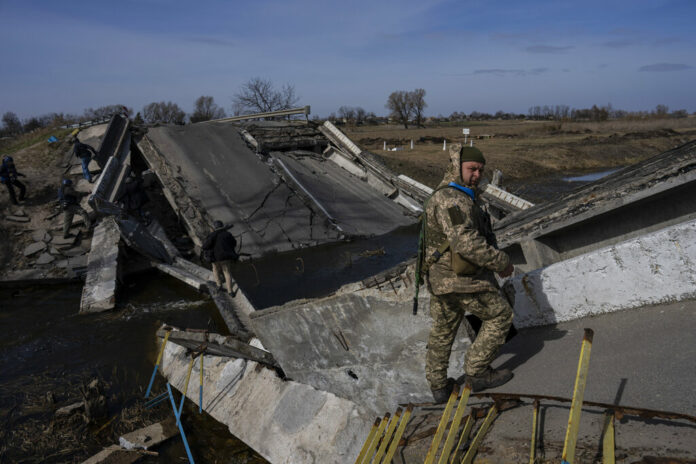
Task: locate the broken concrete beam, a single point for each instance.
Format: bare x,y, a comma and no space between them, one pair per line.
649,269
34,248
114,454
150,436
99,292
181,274
17,218
365,346
255,403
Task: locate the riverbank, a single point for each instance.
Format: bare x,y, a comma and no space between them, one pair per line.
529,153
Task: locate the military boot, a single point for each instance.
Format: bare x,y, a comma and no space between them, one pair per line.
490,378
441,395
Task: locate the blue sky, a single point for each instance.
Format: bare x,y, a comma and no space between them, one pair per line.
468,55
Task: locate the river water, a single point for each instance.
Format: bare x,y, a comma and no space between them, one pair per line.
47,349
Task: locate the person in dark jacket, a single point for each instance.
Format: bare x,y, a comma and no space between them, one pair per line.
84,152
70,203
8,176
133,197
221,246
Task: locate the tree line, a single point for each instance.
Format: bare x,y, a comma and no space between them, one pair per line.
259,95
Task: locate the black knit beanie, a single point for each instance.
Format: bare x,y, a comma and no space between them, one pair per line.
471,154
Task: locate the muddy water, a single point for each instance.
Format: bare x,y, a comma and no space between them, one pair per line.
46,347
549,188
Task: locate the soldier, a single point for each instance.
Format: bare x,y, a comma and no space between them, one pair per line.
69,201
462,252
8,176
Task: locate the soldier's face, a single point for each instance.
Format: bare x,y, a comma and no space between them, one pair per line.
471,173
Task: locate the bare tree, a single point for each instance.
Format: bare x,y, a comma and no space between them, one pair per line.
107,111
347,113
12,123
260,96
206,109
399,103
418,104
165,112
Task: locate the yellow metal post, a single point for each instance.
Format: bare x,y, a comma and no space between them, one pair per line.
571,437
473,448
442,426
463,438
532,447
397,436
454,429
387,436
368,441
375,440
608,443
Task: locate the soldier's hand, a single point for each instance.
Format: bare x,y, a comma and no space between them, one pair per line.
507,272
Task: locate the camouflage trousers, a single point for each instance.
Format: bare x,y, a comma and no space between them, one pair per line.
447,312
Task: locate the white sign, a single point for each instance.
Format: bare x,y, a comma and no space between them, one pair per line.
465,131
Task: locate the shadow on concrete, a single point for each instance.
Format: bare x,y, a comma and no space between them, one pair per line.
528,343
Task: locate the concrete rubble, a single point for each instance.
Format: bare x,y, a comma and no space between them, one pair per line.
99,292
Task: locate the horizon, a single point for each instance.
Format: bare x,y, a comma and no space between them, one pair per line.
468,56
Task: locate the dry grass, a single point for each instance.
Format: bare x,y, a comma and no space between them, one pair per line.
527,150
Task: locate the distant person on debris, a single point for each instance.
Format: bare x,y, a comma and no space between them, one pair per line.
8,176
220,249
84,152
460,277
69,201
134,197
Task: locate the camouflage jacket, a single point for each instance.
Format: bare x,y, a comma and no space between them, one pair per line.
454,216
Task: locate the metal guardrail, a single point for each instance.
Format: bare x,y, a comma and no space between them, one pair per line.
271,114
87,123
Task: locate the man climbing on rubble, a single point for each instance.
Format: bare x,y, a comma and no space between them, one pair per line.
133,197
69,201
220,249
8,176
84,152
462,252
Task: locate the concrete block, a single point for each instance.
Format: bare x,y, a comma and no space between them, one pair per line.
363,346
654,268
45,258
305,425
34,248
99,292
61,242
150,436
41,235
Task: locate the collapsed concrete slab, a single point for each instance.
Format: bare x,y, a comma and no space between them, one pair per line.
283,421
99,292
363,343
655,268
277,200
639,199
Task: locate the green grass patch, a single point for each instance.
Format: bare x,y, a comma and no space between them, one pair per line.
15,144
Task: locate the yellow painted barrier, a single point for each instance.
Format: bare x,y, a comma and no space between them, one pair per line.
375,440
608,443
571,437
442,426
454,429
532,447
387,436
463,438
368,441
397,437
473,448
